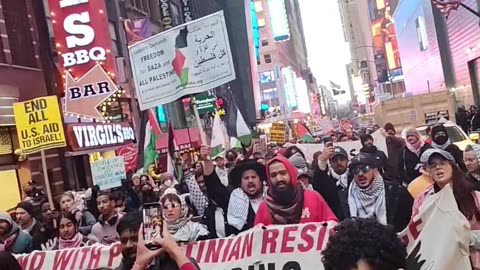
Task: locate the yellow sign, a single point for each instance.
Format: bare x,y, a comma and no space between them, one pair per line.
39,124
277,133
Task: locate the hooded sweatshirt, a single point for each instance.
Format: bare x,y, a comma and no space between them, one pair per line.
314,209
23,240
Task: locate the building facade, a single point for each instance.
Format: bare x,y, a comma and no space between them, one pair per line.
375,72
284,76
439,54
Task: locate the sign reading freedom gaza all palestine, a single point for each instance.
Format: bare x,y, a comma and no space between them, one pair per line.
192,58
39,124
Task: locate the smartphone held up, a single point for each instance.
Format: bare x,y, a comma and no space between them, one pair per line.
152,224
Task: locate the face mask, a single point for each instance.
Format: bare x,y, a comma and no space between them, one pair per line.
441,140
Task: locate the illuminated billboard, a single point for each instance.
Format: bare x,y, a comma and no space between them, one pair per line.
256,30
279,20
289,78
387,53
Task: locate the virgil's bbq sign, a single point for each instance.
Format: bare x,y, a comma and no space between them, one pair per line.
99,135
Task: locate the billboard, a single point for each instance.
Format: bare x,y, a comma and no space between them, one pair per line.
289,78
279,20
387,53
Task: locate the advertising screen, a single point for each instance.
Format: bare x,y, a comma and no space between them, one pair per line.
279,20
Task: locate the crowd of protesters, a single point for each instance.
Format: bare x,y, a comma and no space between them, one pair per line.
221,196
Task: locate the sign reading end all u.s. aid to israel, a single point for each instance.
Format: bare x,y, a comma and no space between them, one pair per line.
39,124
188,59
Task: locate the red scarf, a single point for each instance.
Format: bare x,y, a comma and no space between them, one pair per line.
8,243
75,242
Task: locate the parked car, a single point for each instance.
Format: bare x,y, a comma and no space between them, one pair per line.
455,133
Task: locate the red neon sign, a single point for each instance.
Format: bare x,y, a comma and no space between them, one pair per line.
82,36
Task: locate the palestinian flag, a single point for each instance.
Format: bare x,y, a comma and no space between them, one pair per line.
218,140
303,133
236,125
152,132
178,62
235,143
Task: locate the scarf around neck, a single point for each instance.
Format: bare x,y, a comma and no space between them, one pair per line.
75,242
7,243
287,214
441,146
416,148
342,180
369,202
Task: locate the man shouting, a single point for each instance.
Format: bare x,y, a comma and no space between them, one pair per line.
287,202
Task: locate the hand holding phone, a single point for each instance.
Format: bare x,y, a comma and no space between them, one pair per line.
152,223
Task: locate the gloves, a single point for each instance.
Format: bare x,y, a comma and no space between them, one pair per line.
50,244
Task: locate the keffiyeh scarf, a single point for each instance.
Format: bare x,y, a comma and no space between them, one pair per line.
237,213
75,242
369,202
342,180
289,214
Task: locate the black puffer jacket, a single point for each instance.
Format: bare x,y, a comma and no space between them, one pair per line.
410,161
398,201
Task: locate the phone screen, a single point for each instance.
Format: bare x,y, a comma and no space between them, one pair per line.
152,222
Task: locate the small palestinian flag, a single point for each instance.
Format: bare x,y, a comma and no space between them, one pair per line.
178,62
218,141
303,133
236,125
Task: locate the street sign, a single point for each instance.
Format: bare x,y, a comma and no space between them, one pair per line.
39,124
278,133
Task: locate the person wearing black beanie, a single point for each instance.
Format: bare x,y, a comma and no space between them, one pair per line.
25,215
441,140
382,162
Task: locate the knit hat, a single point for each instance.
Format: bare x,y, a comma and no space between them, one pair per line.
412,132
27,206
299,162
5,216
136,176
438,128
389,126
430,152
364,138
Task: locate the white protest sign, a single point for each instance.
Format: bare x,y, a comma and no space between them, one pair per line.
188,59
295,247
352,148
108,173
438,236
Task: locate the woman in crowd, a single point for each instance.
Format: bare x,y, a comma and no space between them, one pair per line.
442,168
72,203
414,148
69,235
175,212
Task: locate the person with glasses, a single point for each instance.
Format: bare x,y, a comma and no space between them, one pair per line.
372,196
441,166
175,213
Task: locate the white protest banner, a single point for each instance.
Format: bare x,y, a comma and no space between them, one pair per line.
352,148
276,247
108,173
438,216
91,257
188,59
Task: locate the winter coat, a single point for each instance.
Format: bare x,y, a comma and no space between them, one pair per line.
23,242
398,204
87,222
220,194
420,184
325,184
315,209
474,181
458,155
475,121
395,150
410,161
39,235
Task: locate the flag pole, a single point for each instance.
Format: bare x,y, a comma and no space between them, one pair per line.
203,136
474,12
46,180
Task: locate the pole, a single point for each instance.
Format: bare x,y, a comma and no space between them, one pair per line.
203,136
46,180
474,12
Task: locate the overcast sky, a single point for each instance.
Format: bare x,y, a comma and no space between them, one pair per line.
327,50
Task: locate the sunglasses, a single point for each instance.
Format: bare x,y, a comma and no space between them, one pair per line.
363,169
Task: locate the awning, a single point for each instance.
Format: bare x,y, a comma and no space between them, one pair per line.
185,139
